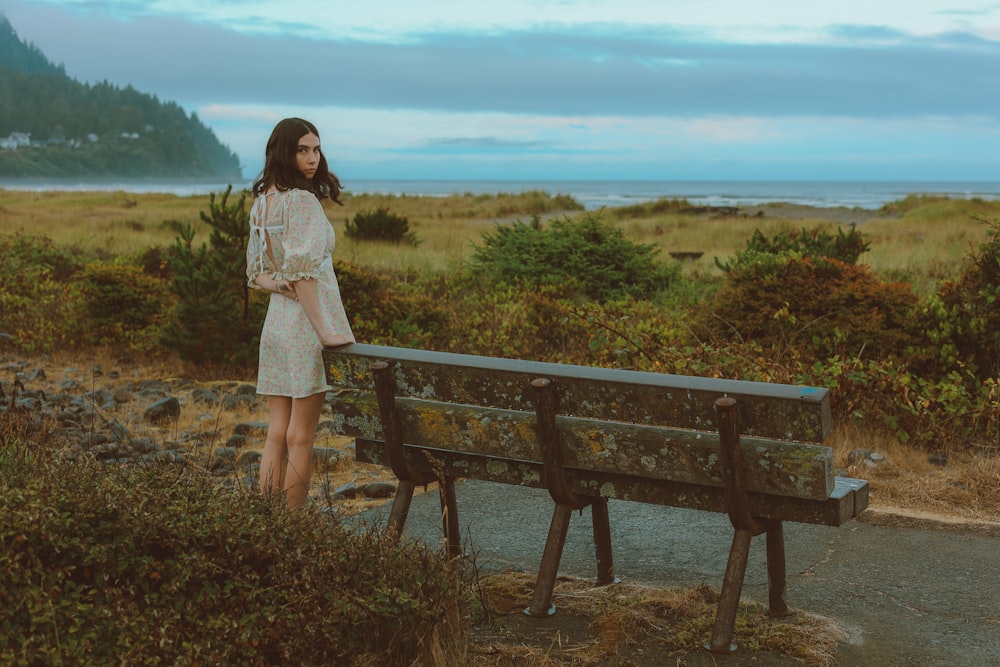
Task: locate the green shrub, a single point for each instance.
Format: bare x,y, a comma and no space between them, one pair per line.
122,304
380,225
816,305
388,310
38,294
584,252
31,257
814,243
962,321
107,564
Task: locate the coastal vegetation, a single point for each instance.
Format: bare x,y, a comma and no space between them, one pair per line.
909,349
896,314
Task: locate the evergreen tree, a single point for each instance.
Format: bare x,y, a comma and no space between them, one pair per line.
77,129
217,320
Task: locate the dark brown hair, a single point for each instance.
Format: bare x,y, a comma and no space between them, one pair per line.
281,170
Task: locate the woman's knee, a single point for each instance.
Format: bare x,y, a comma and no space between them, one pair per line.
298,438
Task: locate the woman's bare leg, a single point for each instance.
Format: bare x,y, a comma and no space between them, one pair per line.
299,440
274,459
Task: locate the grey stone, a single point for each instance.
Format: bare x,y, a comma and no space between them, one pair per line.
237,401
326,457
203,396
349,490
162,410
856,456
378,489
258,429
248,459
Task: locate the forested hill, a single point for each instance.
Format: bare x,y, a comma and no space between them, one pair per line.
52,126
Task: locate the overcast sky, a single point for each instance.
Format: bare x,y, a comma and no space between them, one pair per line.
564,89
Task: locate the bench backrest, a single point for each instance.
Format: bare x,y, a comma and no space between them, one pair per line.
636,424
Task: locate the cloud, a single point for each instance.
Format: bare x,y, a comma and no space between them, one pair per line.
860,71
656,98
489,143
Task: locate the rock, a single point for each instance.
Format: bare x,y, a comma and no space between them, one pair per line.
378,489
94,439
103,398
223,459
856,456
247,390
248,459
154,387
938,459
325,458
348,490
70,385
236,441
108,450
866,458
258,429
119,433
144,446
162,410
124,394
237,401
203,396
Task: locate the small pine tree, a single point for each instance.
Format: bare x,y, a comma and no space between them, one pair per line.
216,320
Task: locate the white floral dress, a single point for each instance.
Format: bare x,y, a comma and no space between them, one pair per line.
291,239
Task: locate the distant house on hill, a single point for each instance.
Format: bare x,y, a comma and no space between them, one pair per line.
15,141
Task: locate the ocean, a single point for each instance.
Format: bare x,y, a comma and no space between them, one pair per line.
594,195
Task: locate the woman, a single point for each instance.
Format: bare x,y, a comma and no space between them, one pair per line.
290,255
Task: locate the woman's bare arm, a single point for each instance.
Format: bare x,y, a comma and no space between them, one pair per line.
306,292
267,282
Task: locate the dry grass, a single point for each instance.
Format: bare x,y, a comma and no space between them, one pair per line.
107,223
963,488
631,625
921,241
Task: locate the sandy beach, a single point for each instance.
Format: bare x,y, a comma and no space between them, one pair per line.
838,214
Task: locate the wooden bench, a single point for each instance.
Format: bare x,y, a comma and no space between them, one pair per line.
749,449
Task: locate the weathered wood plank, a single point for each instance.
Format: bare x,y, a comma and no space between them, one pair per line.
766,410
847,500
655,452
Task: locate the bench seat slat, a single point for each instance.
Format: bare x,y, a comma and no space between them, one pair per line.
785,412
654,452
848,499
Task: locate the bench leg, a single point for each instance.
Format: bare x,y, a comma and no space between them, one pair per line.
400,507
541,601
776,581
729,599
602,542
449,515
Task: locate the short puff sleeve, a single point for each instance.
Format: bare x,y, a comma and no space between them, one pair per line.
305,238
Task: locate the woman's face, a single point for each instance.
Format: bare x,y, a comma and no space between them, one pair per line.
307,154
